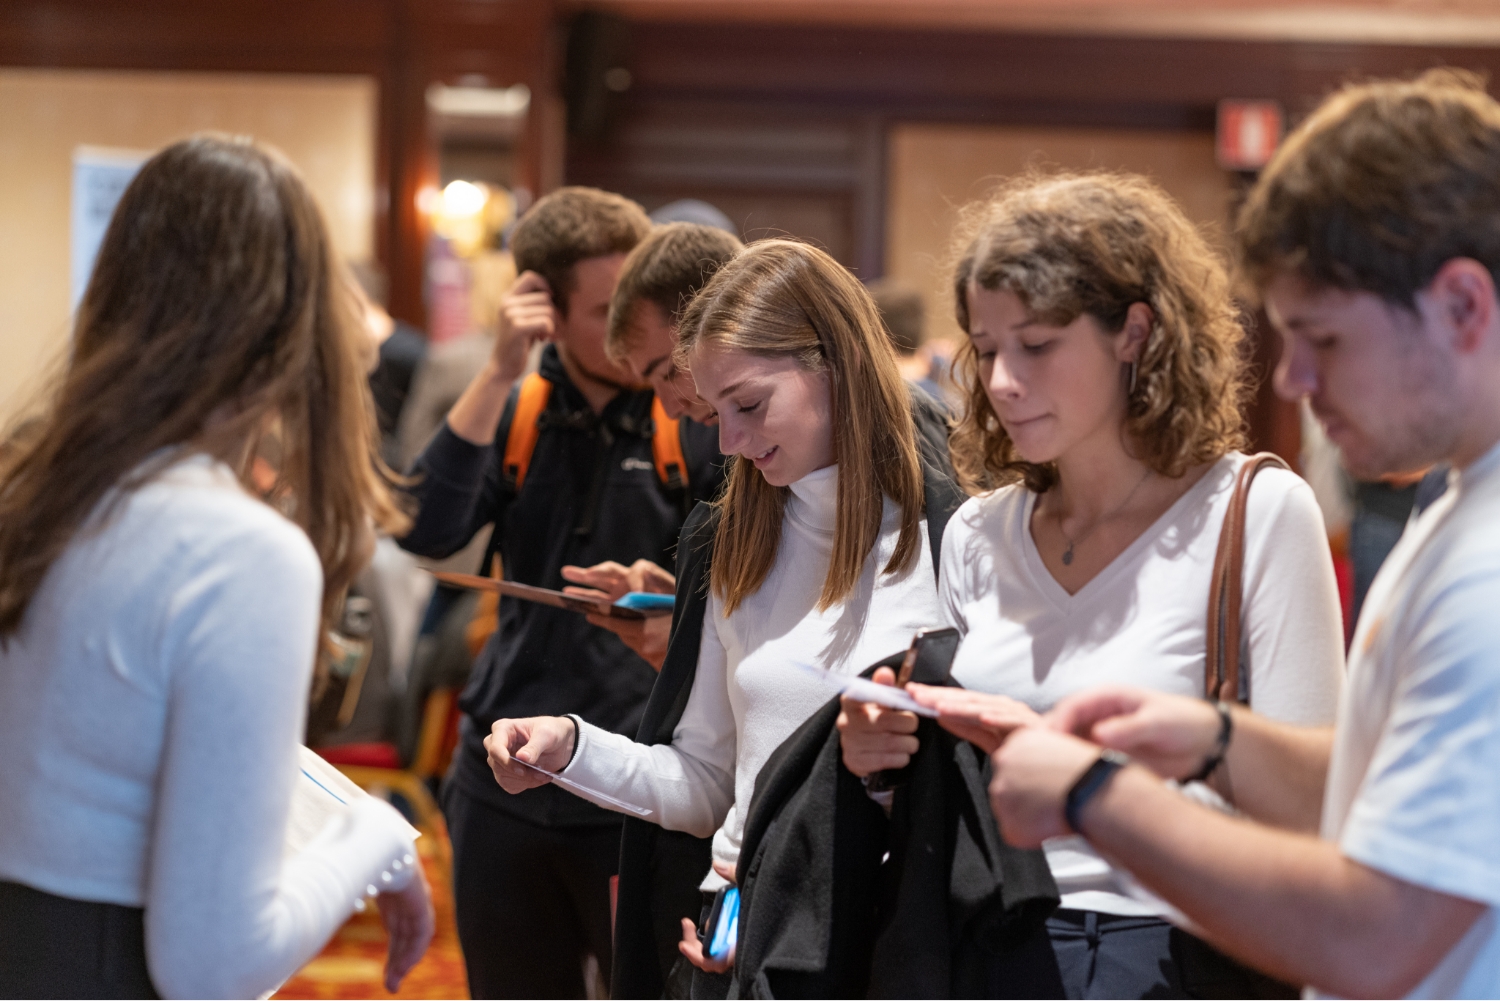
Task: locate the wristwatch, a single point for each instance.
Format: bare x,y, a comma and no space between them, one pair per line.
1094,778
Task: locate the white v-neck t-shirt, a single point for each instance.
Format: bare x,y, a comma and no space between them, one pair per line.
1413,785
1143,620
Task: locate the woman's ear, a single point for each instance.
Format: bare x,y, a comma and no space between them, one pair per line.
1139,319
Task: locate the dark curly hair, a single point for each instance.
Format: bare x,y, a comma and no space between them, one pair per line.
1096,243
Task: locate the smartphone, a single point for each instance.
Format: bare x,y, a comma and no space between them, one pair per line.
929,657
719,927
927,662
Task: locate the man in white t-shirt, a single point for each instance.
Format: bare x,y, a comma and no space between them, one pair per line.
1367,859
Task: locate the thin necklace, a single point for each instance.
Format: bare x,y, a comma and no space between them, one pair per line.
1067,556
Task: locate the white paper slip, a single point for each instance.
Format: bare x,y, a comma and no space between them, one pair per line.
865,690
639,811
321,792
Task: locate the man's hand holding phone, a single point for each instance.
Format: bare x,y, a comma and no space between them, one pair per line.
610,581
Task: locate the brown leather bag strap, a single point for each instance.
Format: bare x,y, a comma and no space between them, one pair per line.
1221,678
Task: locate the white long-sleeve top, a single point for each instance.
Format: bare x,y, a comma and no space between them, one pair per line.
1143,620
748,696
151,706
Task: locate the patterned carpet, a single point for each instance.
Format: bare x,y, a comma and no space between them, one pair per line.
353,963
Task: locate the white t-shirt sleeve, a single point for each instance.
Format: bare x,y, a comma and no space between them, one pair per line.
953,571
1291,615
1428,809
689,783
226,914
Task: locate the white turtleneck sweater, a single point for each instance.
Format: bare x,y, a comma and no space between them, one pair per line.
748,695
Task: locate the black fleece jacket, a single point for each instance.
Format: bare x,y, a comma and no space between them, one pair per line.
591,494
660,870
825,913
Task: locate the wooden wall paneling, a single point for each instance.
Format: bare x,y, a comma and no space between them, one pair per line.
773,169
250,36
497,43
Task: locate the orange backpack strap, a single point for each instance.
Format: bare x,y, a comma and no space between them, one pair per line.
666,449
521,441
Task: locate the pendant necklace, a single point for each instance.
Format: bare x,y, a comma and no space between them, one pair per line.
1067,556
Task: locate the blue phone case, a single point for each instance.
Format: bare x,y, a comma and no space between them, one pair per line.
726,929
644,601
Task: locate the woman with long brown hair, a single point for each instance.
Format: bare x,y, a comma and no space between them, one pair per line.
822,555
159,622
1104,370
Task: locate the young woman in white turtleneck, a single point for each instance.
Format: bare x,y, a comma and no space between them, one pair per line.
765,356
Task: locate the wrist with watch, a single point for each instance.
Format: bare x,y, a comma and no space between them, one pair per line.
1109,761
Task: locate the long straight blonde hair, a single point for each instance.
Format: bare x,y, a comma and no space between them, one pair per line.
781,298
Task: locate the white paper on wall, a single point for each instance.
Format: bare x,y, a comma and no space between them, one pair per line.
100,176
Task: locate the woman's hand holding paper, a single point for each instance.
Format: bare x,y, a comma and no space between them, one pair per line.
875,738
982,719
543,741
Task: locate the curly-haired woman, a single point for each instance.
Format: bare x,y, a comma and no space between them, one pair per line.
1104,377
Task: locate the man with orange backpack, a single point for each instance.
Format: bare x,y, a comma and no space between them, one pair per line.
573,465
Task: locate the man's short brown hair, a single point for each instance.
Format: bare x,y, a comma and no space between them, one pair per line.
1379,187
668,269
572,225
902,311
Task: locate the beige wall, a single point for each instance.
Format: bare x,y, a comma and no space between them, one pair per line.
325,124
935,169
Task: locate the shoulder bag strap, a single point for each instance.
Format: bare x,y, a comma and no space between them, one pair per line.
1222,666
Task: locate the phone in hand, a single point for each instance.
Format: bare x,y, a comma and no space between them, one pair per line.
927,662
719,927
929,658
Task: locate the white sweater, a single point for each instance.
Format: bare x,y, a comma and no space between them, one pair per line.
151,707
747,696
1143,620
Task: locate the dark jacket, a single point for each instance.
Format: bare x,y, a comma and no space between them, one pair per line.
823,912
591,493
660,870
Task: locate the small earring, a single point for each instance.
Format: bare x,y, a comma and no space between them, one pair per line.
1133,368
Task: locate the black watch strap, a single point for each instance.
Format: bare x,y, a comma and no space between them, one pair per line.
1215,758
1090,782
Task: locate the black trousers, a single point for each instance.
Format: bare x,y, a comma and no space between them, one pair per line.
531,902
54,947
1085,954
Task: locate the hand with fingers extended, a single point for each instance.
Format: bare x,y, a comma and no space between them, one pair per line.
875,738
983,720
527,315
610,581
542,741
693,949
1169,734
1034,769
613,580
409,921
